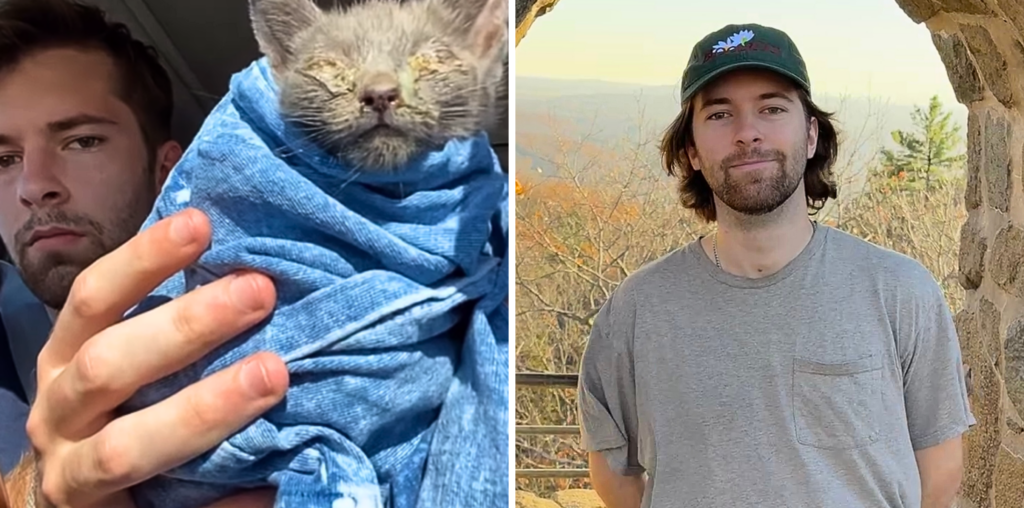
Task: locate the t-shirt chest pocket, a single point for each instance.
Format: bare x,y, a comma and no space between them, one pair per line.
838,406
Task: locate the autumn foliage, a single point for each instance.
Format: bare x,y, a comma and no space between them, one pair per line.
579,235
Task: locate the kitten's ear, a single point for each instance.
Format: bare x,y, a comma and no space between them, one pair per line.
485,25
490,30
276,23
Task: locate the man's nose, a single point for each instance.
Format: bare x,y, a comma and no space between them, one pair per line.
39,184
748,131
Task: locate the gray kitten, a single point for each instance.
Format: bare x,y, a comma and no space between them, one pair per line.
378,82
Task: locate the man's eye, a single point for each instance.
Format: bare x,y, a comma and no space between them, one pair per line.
87,142
717,116
7,161
775,110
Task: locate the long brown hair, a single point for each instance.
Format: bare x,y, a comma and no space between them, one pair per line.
696,194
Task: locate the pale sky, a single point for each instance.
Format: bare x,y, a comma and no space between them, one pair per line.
857,47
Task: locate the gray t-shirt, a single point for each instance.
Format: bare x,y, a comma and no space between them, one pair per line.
810,387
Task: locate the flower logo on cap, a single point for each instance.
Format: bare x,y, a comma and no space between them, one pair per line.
738,39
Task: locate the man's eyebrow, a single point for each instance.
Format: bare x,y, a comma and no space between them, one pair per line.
765,96
64,125
715,102
71,122
775,95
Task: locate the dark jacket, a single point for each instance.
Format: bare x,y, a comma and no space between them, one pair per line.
24,328
13,441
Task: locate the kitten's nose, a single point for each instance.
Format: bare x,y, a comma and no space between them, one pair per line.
380,93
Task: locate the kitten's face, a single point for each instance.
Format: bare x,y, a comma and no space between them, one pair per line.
382,81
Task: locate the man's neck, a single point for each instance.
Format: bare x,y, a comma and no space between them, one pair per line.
756,247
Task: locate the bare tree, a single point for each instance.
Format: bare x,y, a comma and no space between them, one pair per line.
600,211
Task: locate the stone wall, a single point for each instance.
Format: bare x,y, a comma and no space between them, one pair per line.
529,10
981,44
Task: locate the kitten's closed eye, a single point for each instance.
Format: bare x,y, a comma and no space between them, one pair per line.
331,74
434,59
378,82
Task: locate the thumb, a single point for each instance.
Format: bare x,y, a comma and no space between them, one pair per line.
4,502
261,498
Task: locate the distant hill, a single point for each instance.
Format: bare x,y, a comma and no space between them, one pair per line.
609,112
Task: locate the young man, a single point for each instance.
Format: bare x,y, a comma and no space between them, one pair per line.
84,148
777,362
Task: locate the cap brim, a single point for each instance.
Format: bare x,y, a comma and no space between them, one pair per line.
697,85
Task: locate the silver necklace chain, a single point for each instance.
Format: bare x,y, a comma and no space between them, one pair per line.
714,247
714,244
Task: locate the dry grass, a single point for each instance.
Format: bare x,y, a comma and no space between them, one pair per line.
578,237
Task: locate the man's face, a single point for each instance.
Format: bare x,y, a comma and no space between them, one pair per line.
76,180
752,140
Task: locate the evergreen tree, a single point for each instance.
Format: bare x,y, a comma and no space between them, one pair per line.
926,154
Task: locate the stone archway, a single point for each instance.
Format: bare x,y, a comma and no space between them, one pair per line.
981,44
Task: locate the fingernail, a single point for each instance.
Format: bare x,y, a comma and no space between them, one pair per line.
245,294
182,230
255,380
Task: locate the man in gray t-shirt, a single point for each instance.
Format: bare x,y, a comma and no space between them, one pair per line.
777,362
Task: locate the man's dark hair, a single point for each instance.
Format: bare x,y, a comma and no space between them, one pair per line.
696,194
30,26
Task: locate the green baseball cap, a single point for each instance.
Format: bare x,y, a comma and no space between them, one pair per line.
743,46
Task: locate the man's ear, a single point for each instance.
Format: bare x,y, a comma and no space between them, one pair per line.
812,137
691,153
276,23
167,156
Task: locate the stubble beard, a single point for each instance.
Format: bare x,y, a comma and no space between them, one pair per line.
50,275
757,193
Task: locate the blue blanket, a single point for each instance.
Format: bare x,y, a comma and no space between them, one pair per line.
392,316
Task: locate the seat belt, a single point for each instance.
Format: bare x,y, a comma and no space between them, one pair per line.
27,325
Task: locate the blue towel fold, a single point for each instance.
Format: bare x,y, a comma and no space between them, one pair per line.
392,316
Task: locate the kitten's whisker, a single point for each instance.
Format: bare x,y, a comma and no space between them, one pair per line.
355,174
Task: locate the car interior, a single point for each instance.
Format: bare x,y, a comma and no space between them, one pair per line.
202,43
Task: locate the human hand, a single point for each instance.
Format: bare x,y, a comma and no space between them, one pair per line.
16,485
262,498
94,361
4,503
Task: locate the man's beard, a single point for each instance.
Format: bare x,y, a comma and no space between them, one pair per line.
757,192
50,275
